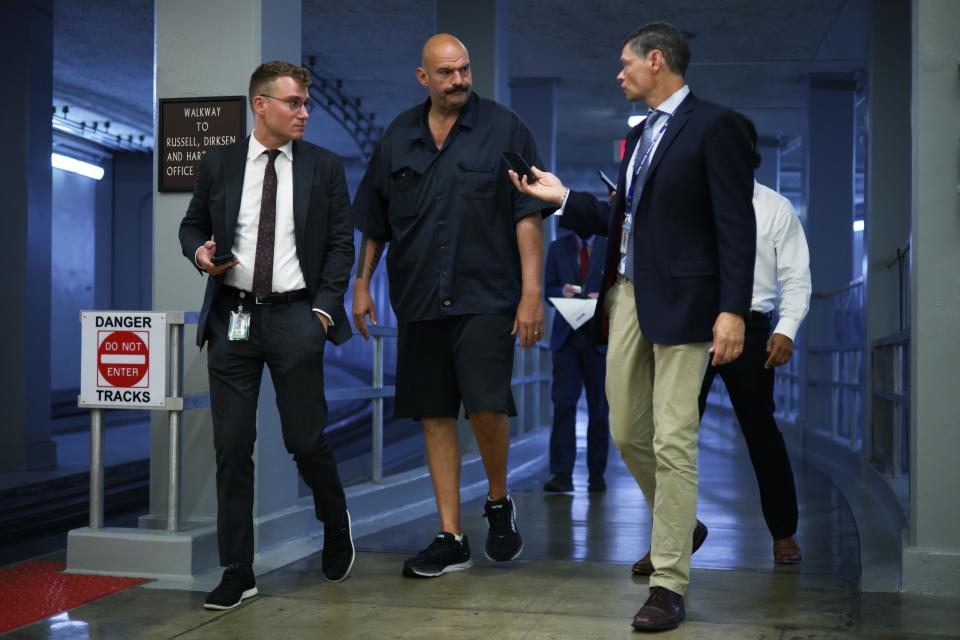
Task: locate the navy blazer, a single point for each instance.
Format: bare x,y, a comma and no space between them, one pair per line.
563,267
323,226
695,231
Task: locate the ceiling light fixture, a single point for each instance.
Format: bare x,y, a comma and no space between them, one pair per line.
66,163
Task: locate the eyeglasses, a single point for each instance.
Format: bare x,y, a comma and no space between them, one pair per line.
293,104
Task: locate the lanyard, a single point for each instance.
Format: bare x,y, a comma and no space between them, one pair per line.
628,206
641,163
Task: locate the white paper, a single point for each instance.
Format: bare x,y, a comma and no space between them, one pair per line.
576,311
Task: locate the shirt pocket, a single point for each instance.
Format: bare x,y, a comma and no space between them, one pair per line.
405,184
477,177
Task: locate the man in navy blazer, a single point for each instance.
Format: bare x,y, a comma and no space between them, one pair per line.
269,222
678,276
577,363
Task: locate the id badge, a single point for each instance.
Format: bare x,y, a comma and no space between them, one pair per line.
239,328
625,233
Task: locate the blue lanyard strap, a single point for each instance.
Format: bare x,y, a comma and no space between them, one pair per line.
641,163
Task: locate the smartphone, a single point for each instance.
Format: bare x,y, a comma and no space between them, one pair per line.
229,257
519,165
611,187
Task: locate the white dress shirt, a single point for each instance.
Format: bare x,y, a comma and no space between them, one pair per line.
286,268
782,257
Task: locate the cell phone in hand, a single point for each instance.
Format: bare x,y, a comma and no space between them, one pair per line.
519,165
611,187
227,257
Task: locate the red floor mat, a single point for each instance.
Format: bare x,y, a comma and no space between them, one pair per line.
35,590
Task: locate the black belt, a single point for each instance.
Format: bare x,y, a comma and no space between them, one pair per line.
756,315
287,297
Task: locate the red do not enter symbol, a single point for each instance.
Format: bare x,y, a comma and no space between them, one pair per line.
123,358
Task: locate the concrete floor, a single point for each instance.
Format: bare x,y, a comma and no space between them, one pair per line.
573,580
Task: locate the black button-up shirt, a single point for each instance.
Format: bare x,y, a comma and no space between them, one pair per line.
449,215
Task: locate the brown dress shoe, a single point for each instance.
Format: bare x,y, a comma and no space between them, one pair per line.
786,551
644,566
662,610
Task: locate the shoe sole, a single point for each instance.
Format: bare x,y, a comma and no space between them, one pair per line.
450,568
353,550
658,627
515,555
249,593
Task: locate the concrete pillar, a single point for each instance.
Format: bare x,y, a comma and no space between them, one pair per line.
887,210
188,31
482,26
26,39
830,175
931,557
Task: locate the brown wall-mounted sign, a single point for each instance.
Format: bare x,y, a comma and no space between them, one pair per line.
189,127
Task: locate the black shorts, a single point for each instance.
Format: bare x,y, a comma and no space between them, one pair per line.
462,358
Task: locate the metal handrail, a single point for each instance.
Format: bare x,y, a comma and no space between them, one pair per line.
853,284
177,404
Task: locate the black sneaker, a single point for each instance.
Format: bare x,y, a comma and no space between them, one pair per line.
503,539
443,555
338,550
236,585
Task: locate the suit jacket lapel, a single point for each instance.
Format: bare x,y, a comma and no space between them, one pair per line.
677,122
234,167
302,182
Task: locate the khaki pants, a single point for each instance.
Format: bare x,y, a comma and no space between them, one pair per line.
654,419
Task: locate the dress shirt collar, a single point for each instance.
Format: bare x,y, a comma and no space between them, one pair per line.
255,149
670,105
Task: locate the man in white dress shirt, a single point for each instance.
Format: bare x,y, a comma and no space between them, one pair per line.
269,222
782,258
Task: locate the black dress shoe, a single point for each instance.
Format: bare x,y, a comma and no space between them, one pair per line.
236,585
558,484
662,610
597,484
644,566
338,550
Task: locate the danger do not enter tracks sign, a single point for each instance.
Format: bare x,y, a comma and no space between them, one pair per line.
123,359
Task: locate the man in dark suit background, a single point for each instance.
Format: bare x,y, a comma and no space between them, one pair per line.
269,222
574,268
678,274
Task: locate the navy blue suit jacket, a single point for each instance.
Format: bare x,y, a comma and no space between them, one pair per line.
695,231
563,267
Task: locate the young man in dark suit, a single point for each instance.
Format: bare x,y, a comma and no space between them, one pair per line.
679,274
269,222
574,268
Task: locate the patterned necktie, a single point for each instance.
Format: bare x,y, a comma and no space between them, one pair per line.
584,261
263,264
641,164
643,157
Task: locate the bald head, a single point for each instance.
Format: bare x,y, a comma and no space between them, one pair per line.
441,45
445,72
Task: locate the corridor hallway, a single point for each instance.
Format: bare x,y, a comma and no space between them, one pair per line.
573,579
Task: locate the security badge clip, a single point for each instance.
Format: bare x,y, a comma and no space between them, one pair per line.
239,328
